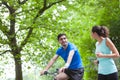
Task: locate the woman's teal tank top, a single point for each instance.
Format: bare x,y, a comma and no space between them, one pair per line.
106,65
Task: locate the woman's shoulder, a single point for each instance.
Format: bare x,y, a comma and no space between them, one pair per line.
108,41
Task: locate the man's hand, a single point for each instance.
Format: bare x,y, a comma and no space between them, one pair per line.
62,69
42,72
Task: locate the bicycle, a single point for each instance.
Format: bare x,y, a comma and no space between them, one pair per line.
52,73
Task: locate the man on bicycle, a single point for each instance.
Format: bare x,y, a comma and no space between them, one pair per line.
73,68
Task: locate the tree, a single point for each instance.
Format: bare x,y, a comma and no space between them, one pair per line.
18,27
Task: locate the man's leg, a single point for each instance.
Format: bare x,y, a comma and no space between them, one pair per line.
61,76
76,74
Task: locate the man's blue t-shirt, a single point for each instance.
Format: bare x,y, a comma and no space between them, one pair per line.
76,60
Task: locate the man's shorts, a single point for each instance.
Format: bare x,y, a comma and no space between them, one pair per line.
76,74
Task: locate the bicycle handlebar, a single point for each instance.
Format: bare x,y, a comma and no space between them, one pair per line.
46,72
51,73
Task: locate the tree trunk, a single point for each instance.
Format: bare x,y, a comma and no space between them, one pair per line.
18,68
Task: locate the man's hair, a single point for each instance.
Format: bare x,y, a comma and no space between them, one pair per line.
61,34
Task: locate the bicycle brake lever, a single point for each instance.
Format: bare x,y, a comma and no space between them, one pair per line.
57,69
45,72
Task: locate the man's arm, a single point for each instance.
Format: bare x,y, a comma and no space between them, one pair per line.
51,62
71,53
70,56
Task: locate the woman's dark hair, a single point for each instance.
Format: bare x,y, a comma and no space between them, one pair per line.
101,31
61,34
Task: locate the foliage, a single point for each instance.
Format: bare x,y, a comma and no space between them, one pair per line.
36,27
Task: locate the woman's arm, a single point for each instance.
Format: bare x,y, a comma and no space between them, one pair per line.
114,50
115,53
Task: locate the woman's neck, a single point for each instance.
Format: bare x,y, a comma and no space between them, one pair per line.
100,39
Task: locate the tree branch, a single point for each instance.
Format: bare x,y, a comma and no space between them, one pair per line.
5,3
26,39
45,7
45,3
22,1
54,3
5,52
3,28
0,4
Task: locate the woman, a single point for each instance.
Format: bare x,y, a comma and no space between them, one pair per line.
105,52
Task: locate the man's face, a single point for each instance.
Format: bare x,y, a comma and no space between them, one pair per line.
63,40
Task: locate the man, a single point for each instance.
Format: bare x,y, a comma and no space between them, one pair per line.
73,68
